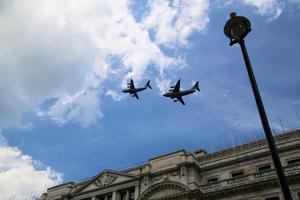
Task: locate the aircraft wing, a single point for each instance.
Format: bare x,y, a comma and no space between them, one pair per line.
131,84
177,86
134,94
181,100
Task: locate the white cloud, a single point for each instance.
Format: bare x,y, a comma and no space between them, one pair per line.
271,8
163,84
115,95
83,107
21,177
175,22
66,48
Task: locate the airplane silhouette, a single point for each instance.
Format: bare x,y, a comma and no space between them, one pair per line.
133,91
175,92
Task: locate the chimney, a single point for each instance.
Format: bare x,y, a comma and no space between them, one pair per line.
199,153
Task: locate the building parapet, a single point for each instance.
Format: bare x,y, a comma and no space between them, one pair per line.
258,177
248,147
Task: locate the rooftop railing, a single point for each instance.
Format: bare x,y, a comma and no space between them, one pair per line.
250,178
290,135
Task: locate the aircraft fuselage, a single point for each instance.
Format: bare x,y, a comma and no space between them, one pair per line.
178,94
133,90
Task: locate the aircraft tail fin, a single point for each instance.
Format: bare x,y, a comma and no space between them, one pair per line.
148,85
196,86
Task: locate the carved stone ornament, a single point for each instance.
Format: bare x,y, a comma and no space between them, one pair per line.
105,179
166,177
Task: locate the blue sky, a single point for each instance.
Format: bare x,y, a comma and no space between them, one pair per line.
63,65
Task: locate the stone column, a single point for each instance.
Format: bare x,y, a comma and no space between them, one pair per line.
93,198
136,192
114,195
127,195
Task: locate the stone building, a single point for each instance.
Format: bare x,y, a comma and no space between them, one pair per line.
243,172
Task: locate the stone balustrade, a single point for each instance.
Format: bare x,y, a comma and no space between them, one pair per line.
249,178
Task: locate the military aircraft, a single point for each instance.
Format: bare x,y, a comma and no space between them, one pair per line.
175,92
133,91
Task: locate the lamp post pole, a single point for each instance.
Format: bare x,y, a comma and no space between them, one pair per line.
236,29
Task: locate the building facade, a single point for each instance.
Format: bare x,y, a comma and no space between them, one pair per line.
242,172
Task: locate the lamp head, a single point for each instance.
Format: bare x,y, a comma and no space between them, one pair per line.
237,28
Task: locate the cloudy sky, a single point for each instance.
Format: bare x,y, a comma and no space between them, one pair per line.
63,64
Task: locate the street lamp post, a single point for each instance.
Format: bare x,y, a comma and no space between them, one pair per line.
237,28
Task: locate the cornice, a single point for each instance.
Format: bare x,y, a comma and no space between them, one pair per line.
177,167
243,156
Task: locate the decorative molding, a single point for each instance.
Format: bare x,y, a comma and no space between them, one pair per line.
166,176
105,179
181,190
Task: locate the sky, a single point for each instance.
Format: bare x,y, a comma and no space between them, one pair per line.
64,63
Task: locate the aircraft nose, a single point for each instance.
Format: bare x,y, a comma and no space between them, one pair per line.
165,94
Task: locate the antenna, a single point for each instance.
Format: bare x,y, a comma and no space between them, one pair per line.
227,141
274,134
257,138
283,129
233,144
248,136
272,128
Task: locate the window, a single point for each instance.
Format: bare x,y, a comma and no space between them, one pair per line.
264,168
294,161
212,180
237,174
272,198
264,171
237,177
